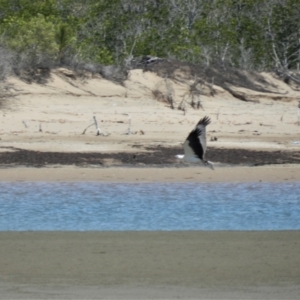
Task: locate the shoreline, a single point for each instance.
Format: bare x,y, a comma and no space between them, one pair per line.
266,173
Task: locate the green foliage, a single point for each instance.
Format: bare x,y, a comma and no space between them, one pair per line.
26,9
257,34
64,38
36,35
89,53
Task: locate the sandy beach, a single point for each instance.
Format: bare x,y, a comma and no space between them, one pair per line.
47,133
150,265
273,173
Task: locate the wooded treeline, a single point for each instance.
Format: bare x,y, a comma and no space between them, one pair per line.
248,34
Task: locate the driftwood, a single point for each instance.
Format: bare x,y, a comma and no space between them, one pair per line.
218,113
96,124
99,132
247,123
128,132
268,125
87,128
194,95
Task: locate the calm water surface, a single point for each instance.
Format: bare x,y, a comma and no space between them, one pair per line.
149,206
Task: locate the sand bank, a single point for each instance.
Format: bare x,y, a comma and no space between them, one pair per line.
271,173
150,265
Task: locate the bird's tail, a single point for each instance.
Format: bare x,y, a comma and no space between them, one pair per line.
209,164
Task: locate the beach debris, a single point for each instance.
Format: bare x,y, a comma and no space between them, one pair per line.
40,127
97,127
147,60
255,132
99,132
193,94
182,106
213,139
199,105
25,124
128,131
218,112
166,95
247,123
268,125
87,128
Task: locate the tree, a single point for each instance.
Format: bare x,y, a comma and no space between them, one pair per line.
34,37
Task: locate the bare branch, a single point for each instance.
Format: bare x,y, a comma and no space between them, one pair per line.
87,128
96,124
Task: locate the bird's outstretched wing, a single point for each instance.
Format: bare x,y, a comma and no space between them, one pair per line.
196,140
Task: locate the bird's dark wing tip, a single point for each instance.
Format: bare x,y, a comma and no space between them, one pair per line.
204,121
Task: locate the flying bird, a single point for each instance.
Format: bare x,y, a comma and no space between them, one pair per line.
195,144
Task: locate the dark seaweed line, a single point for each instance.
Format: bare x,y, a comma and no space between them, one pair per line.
159,156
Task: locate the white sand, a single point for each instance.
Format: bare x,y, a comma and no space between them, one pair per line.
64,110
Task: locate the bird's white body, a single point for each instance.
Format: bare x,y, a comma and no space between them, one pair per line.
189,155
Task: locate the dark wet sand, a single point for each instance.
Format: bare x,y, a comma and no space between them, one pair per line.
150,265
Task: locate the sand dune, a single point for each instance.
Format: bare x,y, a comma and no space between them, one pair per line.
64,105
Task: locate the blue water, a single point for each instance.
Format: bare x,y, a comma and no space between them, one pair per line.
149,206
